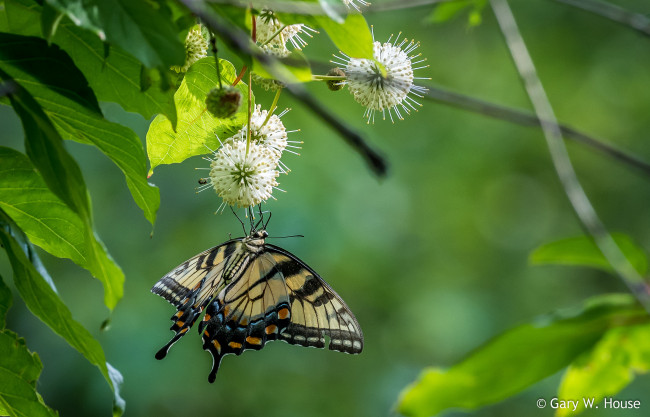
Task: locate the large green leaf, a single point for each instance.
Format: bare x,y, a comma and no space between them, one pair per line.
5,302
25,59
51,224
353,37
517,358
142,28
19,370
197,129
607,368
45,304
114,78
295,67
582,250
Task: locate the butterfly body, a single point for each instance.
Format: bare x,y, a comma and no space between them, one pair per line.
253,293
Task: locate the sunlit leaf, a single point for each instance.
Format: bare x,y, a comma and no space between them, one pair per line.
21,57
607,368
582,251
45,304
444,12
19,371
197,130
51,224
114,78
142,28
516,359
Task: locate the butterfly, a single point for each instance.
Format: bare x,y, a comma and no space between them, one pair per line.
253,293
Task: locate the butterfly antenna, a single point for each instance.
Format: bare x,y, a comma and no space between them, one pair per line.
284,237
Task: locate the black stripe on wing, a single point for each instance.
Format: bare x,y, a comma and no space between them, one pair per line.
317,311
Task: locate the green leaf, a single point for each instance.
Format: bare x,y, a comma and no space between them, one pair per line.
197,129
352,36
19,370
607,368
142,28
20,57
582,251
5,302
447,11
45,304
514,360
50,19
115,78
51,224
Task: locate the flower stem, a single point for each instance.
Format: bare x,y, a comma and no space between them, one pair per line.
213,42
317,77
273,106
250,96
240,76
277,32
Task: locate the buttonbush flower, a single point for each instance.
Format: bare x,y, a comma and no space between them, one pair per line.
387,83
196,47
273,35
243,179
352,3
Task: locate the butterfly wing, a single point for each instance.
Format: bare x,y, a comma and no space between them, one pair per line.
191,285
316,309
251,311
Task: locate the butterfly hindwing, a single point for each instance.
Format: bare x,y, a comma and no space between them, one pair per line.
251,311
316,309
190,286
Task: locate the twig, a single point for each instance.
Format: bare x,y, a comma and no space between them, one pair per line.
315,9
553,134
636,21
525,118
230,35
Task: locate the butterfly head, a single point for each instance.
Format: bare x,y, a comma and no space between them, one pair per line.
255,242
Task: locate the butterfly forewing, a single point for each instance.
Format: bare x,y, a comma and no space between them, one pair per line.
253,293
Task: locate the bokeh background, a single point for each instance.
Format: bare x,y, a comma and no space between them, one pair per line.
432,259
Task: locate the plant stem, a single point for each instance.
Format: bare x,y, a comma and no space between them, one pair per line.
524,118
213,42
636,21
553,134
274,35
273,106
317,77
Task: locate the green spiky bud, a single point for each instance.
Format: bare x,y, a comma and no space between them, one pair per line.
223,102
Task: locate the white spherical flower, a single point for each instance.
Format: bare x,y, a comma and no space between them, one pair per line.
243,179
196,47
273,38
385,83
353,3
271,135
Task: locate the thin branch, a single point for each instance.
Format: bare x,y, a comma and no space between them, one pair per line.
553,134
636,21
525,118
315,9
231,36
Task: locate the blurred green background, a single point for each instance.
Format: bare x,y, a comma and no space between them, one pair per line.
431,259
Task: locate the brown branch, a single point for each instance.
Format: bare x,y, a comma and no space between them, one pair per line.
636,21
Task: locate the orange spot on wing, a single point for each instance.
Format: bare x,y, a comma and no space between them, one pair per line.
180,323
244,321
234,345
178,314
216,346
226,311
207,317
283,313
184,330
207,334
254,340
271,329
